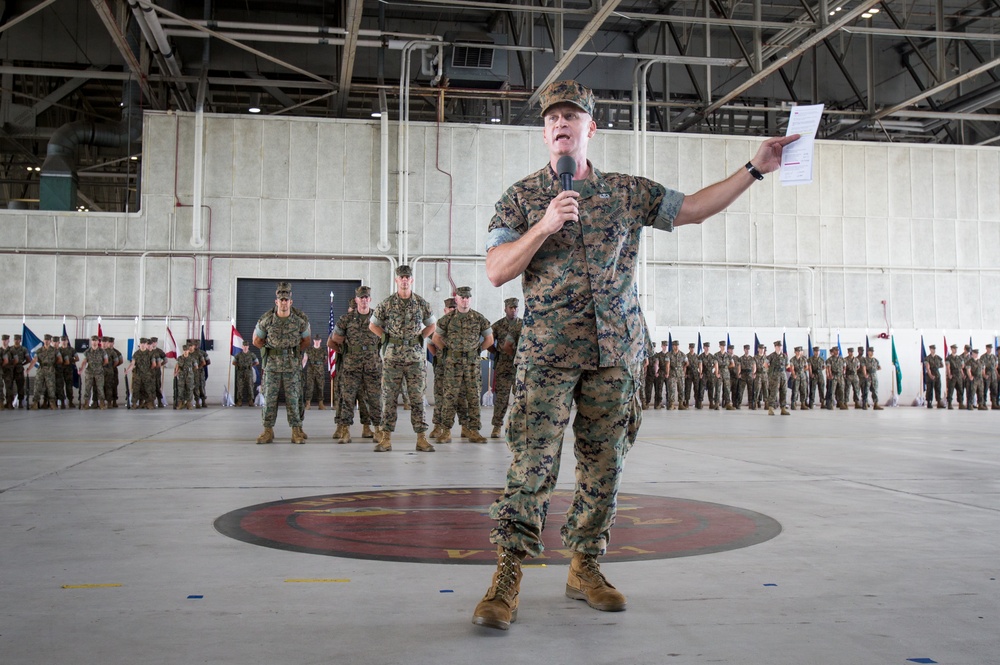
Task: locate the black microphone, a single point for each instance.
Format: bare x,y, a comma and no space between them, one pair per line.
566,166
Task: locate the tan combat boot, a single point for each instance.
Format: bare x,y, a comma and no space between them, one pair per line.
267,436
423,445
877,407
586,582
770,411
345,434
366,432
495,434
785,412
104,404
308,406
298,436
436,432
321,406
384,444
444,436
498,608
473,435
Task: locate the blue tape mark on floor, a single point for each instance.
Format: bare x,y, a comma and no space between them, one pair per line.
447,591
195,597
770,584
921,660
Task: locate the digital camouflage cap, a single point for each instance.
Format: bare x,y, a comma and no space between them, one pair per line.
362,292
464,292
569,92
284,290
404,271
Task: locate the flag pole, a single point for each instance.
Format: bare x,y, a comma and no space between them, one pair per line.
229,372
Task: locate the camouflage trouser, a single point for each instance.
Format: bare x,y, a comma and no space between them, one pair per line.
606,424
992,384
707,385
185,387
932,388
359,385
674,385
4,377
158,383
93,382
503,381
393,377
800,390
957,386
852,389
273,380
777,385
658,385
838,390
244,386
143,388
724,389
820,384
315,378
745,386
690,381
648,383
873,388
62,390
111,384
45,384
977,388
199,383
462,390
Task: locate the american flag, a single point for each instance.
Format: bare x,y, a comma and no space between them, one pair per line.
331,360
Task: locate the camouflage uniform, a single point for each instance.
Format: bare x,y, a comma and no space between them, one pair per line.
800,382
317,360
932,379
463,334
158,358
504,330
4,345
974,378
870,386
747,364
202,361
93,376
675,381
17,358
282,339
186,368
64,374
359,370
709,367
852,383
649,377
143,386
838,390
244,362
111,378
817,379
990,362
761,390
776,364
584,340
403,320
691,377
956,383
660,359
723,382
48,358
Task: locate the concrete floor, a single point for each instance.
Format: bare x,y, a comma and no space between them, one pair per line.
888,553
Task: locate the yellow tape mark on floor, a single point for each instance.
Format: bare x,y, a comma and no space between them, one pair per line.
89,586
534,565
316,580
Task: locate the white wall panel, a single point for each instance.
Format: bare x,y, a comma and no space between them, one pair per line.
899,182
247,157
218,156
944,184
274,158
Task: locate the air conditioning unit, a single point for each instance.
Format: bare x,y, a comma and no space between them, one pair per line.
472,61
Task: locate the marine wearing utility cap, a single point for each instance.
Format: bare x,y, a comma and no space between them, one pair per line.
449,302
404,271
798,348
678,343
284,290
17,338
4,337
746,347
464,292
569,92
363,292
46,338
511,302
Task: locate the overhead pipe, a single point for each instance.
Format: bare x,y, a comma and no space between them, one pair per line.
383,107
171,59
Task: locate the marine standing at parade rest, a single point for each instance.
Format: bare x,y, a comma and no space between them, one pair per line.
709,372
244,362
282,333
506,335
748,373
159,361
974,376
871,366
184,371
692,372
817,378
852,387
675,378
662,362
800,379
64,373
4,345
955,371
837,367
990,362
111,381
437,364
95,359
359,369
465,333
402,322
762,388
777,362
932,378
583,341
315,361
47,359
17,359
141,369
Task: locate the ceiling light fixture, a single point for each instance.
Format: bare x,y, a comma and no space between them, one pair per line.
254,103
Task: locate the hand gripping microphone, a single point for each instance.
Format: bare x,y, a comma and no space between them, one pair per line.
566,166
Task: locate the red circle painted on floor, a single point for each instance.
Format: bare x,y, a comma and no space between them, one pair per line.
451,525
